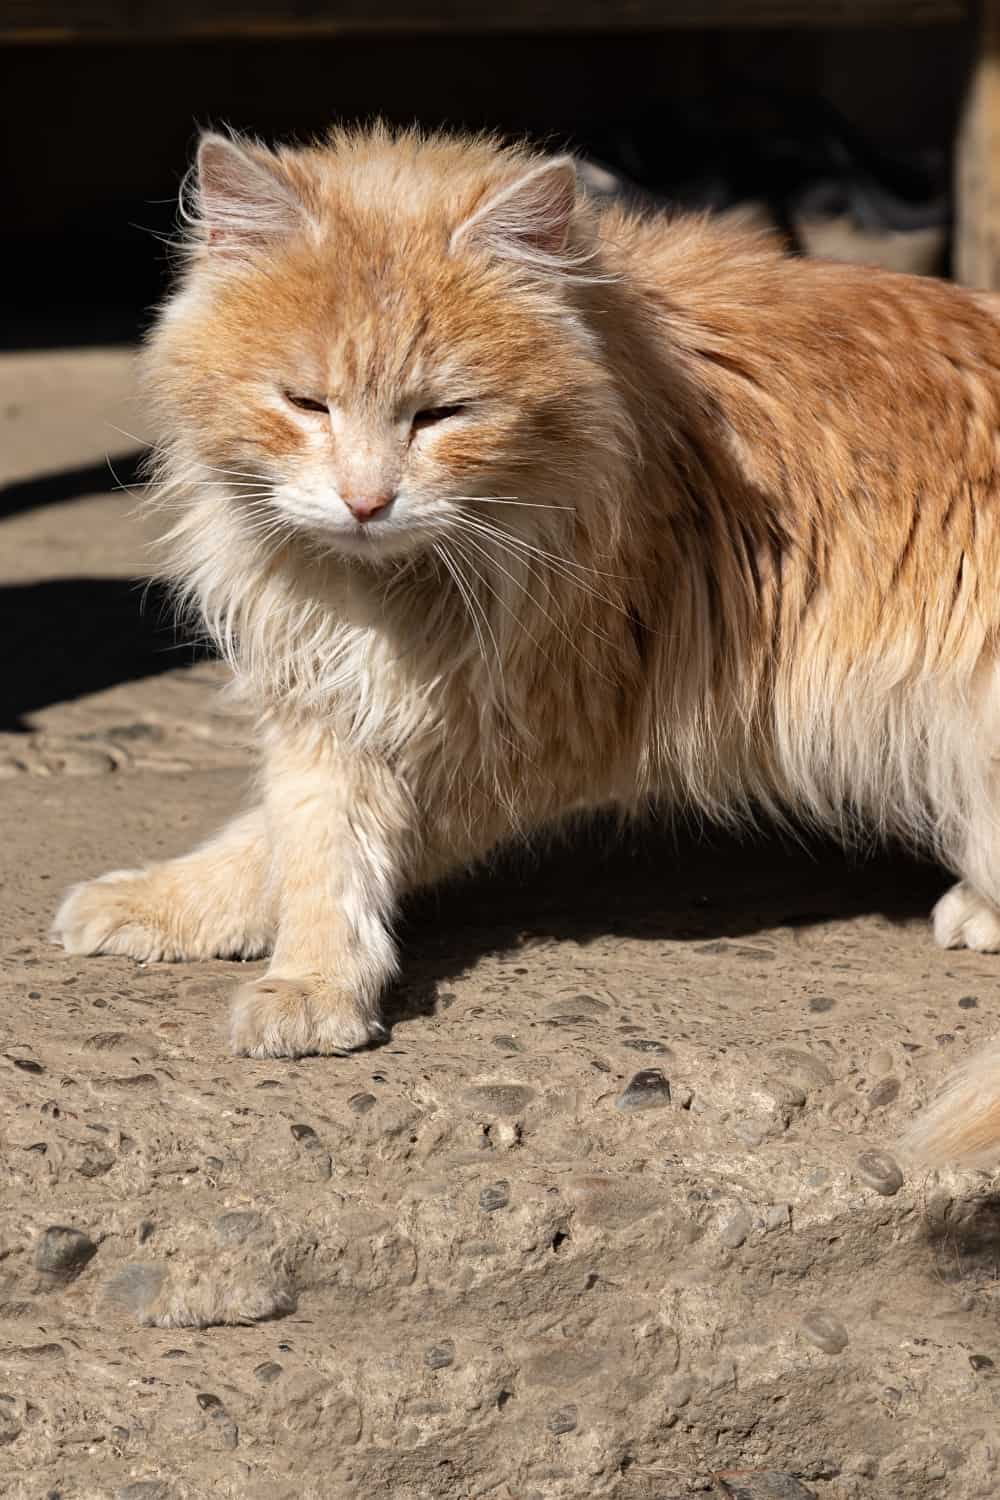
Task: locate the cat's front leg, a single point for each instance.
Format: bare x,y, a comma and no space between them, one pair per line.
343,832
215,902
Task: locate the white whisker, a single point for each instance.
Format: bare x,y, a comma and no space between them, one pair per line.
544,612
143,442
517,546
510,500
257,477
466,597
554,557
542,578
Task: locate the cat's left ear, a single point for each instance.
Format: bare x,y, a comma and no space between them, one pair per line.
530,219
240,199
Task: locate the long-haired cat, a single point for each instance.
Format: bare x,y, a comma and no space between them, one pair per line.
503,507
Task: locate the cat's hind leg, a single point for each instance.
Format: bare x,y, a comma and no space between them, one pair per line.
962,1127
965,919
963,736
215,902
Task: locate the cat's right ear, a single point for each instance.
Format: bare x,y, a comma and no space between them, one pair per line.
530,220
238,200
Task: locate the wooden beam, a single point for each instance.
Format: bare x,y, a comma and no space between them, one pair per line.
42,21
977,165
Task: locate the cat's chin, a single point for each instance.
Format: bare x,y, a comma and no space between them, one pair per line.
369,544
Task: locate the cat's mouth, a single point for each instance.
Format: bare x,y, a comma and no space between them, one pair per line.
329,526
372,541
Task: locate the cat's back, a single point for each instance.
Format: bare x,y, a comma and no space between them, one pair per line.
851,379
707,277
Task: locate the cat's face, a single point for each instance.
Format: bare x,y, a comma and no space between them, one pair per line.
377,388
394,410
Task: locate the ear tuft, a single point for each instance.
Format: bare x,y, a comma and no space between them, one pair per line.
529,220
238,199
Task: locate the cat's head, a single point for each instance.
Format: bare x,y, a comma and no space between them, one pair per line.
377,343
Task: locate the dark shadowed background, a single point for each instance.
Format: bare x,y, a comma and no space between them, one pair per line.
100,104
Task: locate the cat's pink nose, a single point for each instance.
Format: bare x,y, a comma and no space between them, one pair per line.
363,508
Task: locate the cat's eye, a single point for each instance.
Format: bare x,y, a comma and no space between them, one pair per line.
305,403
431,415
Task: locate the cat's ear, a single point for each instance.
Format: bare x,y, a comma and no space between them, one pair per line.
530,219
239,200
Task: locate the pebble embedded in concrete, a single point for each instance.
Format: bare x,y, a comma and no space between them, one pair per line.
648,1089
678,1390
499,1098
735,1229
777,1216
564,1419
825,1331
884,1093
494,1197
222,1423
762,1484
880,1171
63,1251
238,1226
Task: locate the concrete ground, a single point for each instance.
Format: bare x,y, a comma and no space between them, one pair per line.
607,1216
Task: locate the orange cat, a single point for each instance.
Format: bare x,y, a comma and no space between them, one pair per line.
502,507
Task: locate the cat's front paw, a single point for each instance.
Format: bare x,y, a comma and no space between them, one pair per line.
964,919
161,915
115,914
294,1017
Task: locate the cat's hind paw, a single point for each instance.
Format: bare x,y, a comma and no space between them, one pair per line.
295,1017
964,919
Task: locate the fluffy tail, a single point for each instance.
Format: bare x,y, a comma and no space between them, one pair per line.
962,1127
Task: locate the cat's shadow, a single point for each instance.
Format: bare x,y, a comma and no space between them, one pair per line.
698,888
69,637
